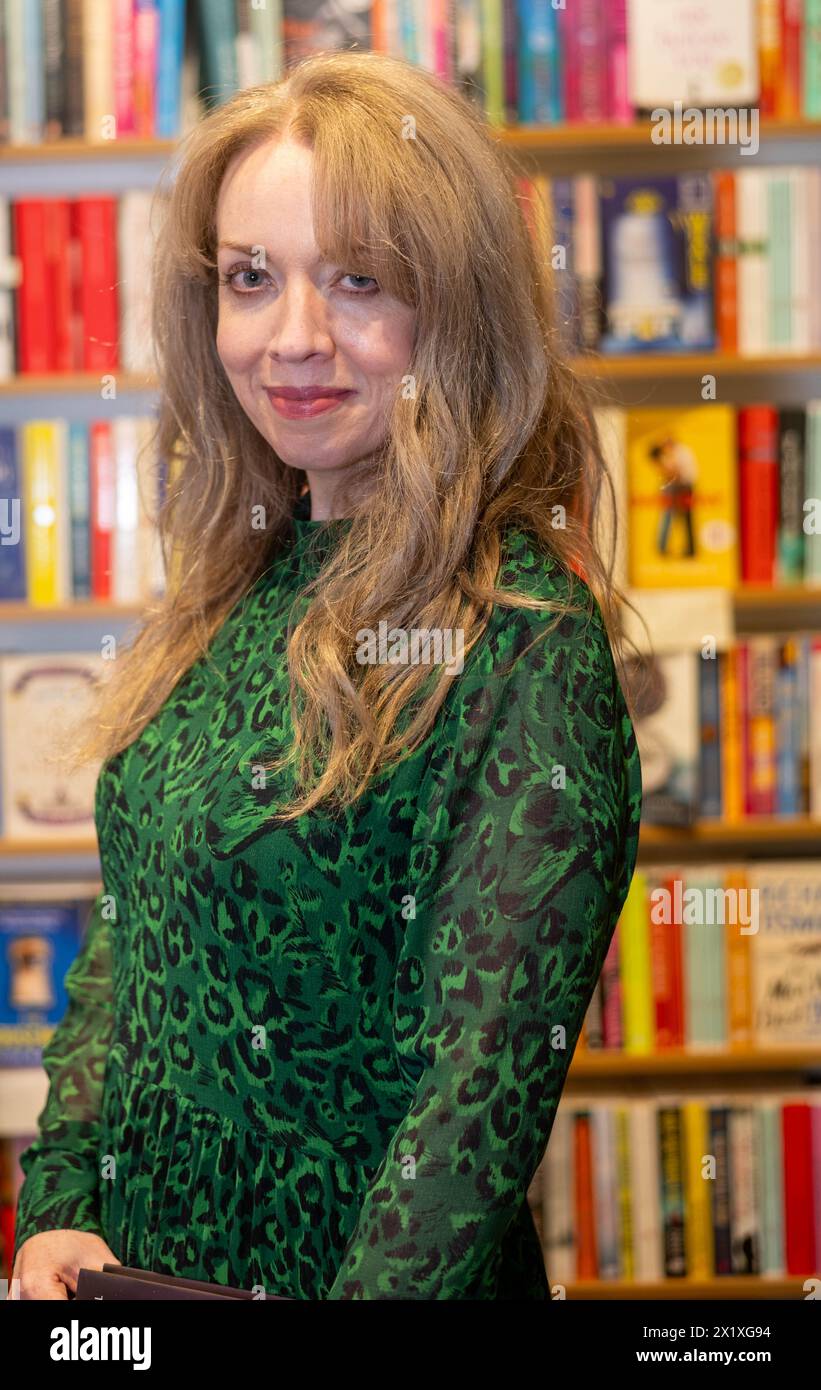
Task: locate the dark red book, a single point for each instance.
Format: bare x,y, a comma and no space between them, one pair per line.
94,225
35,325
799,1221
59,263
123,1282
758,491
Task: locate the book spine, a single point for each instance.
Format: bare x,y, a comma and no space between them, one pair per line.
80,517
54,70
95,222
789,95
710,740
761,668
811,74
791,481
769,56
103,508
758,488
672,1192
726,264
35,325
169,65
122,45
13,548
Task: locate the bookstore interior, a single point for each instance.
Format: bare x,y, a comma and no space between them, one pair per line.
671,152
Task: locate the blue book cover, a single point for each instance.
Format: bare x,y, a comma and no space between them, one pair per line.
657,242
788,731
38,942
12,542
540,87
710,749
78,483
169,68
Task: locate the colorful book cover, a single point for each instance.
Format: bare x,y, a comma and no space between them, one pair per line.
657,236
786,966
682,497
38,942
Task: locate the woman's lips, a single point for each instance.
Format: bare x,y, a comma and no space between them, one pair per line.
305,409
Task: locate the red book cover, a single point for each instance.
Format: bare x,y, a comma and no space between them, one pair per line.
584,61
102,488
726,264
665,963
59,262
586,1264
799,1218
94,224
758,491
35,326
789,91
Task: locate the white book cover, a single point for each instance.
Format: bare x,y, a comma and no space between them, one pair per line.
645,1181
558,1211
753,281
44,699
802,258
9,280
135,242
745,1236
152,570
605,1190
125,570
786,953
693,51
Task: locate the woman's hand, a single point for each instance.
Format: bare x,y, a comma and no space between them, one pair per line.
47,1263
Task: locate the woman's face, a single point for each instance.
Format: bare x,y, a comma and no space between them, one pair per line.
289,320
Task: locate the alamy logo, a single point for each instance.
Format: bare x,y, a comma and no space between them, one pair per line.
75,1343
399,646
713,125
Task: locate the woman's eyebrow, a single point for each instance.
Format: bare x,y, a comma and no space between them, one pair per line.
252,250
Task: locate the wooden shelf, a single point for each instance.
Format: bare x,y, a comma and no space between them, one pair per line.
753,832
79,845
755,596
569,136
78,610
578,135
612,1064
37,383
593,366
76,147
654,365
741,1287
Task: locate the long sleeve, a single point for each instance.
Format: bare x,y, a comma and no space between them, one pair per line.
61,1170
524,858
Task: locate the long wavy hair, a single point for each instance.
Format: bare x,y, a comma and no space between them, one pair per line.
412,187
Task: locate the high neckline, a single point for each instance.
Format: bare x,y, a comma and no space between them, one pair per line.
301,515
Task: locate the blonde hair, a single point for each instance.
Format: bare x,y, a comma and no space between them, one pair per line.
499,429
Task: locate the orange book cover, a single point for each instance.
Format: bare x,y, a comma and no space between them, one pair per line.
732,783
586,1262
738,964
726,264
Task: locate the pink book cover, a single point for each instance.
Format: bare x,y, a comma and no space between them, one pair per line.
442,44
122,39
582,36
619,108
146,43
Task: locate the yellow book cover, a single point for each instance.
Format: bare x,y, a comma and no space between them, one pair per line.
626,1236
698,1190
682,497
46,516
739,964
634,955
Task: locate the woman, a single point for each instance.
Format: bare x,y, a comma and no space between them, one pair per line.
356,899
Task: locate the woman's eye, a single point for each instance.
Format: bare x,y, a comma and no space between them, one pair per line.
352,276
242,270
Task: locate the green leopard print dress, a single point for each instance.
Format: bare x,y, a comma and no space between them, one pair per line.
324,1057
